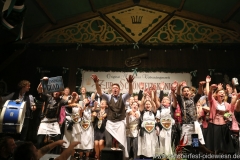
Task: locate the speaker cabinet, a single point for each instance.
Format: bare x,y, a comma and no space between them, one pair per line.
108,153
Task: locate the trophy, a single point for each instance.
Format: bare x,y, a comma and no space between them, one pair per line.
235,81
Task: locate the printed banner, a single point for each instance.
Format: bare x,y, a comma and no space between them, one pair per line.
53,84
106,79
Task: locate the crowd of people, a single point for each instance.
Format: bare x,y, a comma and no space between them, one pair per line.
148,125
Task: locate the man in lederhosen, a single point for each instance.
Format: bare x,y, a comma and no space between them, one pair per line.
115,127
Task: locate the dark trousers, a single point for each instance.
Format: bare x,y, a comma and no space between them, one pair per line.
25,128
109,141
132,142
40,142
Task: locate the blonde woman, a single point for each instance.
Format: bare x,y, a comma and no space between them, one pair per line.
147,138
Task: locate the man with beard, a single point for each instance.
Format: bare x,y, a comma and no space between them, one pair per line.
115,127
187,103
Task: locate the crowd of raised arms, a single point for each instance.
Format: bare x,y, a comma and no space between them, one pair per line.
182,121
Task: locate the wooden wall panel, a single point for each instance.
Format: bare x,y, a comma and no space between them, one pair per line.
173,60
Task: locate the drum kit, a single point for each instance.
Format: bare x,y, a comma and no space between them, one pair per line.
12,116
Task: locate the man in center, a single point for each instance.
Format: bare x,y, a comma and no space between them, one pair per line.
115,127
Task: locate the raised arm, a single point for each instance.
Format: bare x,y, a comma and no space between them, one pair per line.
161,85
208,80
44,150
233,101
200,91
140,93
212,87
155,97
173,90
154,107
130,80
141,106
67,152
96,81
180,85
200,87
237,109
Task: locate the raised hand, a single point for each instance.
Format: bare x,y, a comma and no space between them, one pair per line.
40,88
214,86
154,87
184,83
146,92
174,86
141,85
201,83
95,78
74,94
60,142
208,79
161,85
234,95
220,86
130,79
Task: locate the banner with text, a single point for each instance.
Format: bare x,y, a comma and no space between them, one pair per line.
53,84
106,79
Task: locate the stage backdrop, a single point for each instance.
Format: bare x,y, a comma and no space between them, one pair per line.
148,78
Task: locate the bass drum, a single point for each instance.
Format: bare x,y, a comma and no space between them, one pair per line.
12,117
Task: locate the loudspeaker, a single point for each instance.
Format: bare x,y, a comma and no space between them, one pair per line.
108,153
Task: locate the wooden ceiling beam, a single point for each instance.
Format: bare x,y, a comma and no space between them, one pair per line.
46,11
92,5
231,13
159,25
34,37
189,15
148,4
88,15
84,16
181,5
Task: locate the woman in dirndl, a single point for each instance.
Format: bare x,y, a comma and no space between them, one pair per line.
72,122
86,129
147,138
